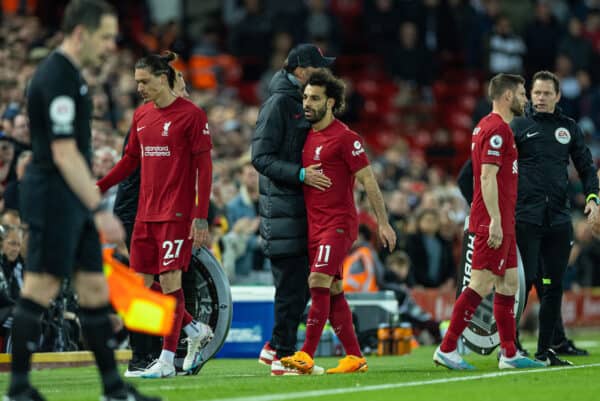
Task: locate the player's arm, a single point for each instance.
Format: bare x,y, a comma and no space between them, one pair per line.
203,167
584,164
489,192
126,166
200,145
386,233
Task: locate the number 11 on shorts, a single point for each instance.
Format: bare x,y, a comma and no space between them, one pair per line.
323,258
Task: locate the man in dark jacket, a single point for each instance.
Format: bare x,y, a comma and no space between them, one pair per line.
281,130
546,140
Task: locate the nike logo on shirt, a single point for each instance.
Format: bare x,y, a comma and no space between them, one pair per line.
168,262
321,264
530,134
140,128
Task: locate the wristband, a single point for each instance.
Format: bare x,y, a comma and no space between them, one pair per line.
593,197
302,174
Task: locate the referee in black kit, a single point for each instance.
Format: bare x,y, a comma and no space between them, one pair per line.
60,203
546,139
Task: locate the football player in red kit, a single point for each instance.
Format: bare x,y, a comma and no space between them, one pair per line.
170,142
332,220
495,177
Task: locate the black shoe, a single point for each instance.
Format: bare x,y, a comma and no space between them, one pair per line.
550,358
128,393
567,347
31,394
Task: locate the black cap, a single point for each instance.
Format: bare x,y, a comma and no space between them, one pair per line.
307,55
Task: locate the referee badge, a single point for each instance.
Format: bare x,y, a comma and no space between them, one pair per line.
562,135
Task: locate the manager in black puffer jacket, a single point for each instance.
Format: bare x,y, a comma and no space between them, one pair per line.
277,144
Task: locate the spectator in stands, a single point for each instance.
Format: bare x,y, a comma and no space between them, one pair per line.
592,29
362,268
242,216
505,49
399,212
354,104
431,256
381,24
11,193
251,36
569,86
542,35
320,23
397,278
408,60
575,46
20,134
11,262
7,155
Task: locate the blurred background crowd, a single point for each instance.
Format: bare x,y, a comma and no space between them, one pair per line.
416,74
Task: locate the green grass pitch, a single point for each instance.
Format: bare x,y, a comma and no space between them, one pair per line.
412,377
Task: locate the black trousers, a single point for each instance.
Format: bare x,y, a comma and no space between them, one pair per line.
545,252
290,276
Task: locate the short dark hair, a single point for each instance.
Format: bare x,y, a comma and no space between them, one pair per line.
335,88
159,64
398,257
88,13
502,82
547,76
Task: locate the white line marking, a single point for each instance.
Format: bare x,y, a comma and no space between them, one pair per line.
378,387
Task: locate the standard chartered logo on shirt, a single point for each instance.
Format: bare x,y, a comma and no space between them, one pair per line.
158,151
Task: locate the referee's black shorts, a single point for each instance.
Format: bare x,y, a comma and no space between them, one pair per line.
62,233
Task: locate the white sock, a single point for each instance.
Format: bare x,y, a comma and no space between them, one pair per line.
167,356
193,329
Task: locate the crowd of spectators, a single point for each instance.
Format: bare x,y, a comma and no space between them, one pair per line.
247,42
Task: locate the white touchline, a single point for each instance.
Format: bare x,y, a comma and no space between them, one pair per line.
377,387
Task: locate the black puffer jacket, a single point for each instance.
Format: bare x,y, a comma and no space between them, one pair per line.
277,144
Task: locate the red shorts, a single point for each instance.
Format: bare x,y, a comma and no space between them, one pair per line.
160,247
326,253
494,260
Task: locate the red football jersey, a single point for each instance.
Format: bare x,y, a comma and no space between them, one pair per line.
341,154
493,142
165,140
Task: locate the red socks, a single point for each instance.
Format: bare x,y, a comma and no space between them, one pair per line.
504,306
340,317
465,306
170,341
187,318
317,316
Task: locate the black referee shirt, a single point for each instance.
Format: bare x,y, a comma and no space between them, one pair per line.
59,106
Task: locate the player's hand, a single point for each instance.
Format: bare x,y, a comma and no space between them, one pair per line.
495,238
387,236
593,218
110,227
199,232
591,211
314,177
